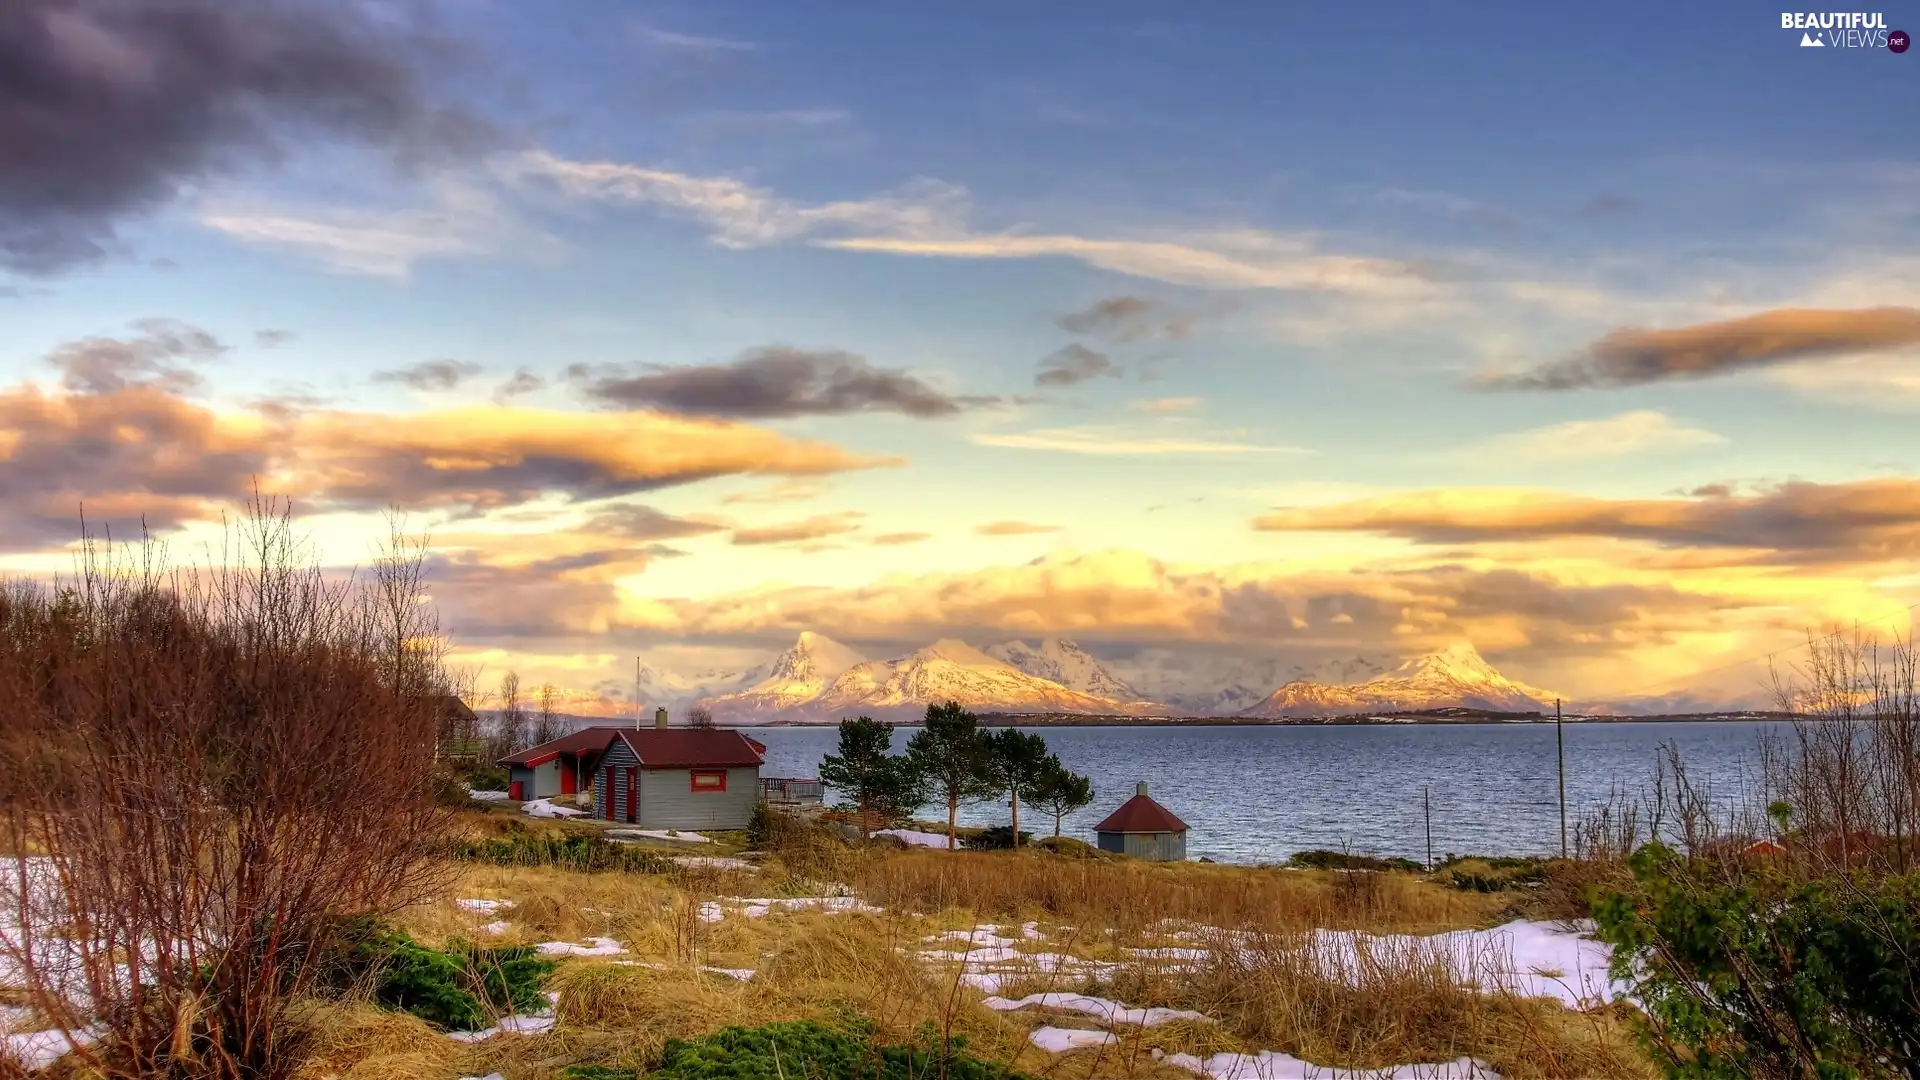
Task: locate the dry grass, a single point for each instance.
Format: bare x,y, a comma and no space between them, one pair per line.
1394,1005
1130,895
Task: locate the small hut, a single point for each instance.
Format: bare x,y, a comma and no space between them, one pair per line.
1144,829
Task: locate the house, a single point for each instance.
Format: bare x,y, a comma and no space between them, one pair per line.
1144,829
656,778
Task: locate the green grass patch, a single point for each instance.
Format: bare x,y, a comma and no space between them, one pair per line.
804,1050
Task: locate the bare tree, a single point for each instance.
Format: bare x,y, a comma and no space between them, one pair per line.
192,751
546,718
700,717
510,731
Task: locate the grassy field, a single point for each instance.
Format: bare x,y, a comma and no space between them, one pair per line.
1238,945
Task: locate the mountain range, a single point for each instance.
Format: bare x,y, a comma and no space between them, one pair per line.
821,680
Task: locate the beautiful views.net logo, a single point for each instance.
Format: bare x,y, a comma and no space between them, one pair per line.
1844,30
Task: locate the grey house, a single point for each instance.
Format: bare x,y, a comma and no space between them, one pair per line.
1144,829
655,778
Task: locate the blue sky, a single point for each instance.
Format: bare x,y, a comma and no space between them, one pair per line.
1325,230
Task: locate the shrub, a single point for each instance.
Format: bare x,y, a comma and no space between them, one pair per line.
582,852
489,778
1760,975
1322,859
461,988
818,1052
997,838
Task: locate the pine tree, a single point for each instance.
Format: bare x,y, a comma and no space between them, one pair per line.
951,755
1016,762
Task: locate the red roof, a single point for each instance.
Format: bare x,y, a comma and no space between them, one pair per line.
1141,814
672,748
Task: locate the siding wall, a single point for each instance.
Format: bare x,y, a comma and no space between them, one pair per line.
1159,847
544,780
668,801
611,779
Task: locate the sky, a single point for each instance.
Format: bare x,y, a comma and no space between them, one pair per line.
1239,331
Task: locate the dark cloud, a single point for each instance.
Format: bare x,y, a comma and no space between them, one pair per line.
523,382
645,523
1123,319
818,527
1073,364
109,108
1630,357
430,374
152,357
773,382
1606,206
271,339
1868,521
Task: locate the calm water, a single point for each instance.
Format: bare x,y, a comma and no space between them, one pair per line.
1257,794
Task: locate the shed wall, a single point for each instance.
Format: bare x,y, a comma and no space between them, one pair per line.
611,779
545,780
1156,847
668,801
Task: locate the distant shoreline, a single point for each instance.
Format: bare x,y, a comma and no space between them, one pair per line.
1439,717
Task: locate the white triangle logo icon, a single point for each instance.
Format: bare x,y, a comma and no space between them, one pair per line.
1808,41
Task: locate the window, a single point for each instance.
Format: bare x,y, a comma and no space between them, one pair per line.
709,780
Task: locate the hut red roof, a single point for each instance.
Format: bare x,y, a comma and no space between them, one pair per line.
1141,814
671,748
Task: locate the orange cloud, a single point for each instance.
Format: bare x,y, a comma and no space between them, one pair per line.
1868,521
817,527
899,538
1014,528
1632,356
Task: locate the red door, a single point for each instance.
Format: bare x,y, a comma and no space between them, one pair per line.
633,795
517,791
567,778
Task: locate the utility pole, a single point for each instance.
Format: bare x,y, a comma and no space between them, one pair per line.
1426,804
636,694
1560,745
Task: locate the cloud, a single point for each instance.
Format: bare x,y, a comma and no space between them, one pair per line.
899,538
1125,596
1863,522
1126,319
1074,364
1606,206
1629,357
1121,442
1014,528
695,45
430,374
272,339
641,523
744,216
775,381
100,365
522,382
458,220
171,95
784,491
818,527
1167,406
1637,432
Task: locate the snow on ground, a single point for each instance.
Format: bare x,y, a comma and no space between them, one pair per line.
1533,959
712,862
1059,1040
39,1049
546,808
485,907
486,796
669,835
499,926
533,1024
599,946
1103,1009
738,974
1268,1065
917,839
714,910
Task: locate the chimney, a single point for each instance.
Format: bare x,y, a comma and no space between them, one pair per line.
1142,789
660,718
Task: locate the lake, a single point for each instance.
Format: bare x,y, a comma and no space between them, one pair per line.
1252,794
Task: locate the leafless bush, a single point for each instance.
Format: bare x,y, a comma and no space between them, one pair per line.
219,764
510,727
546,718
700,717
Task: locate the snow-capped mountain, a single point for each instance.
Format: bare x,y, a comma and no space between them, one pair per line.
952,670
1065,662
796,677
677,689
1210,684
1455,677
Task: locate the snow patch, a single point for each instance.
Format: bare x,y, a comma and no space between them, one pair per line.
485,907
486,796
1111,1012
1059,1040
917,839
599,946
713,862
1268,1065
544,808
714,910
38,1049
668,835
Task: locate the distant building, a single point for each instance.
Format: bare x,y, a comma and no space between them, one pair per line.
656,778
1144,829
